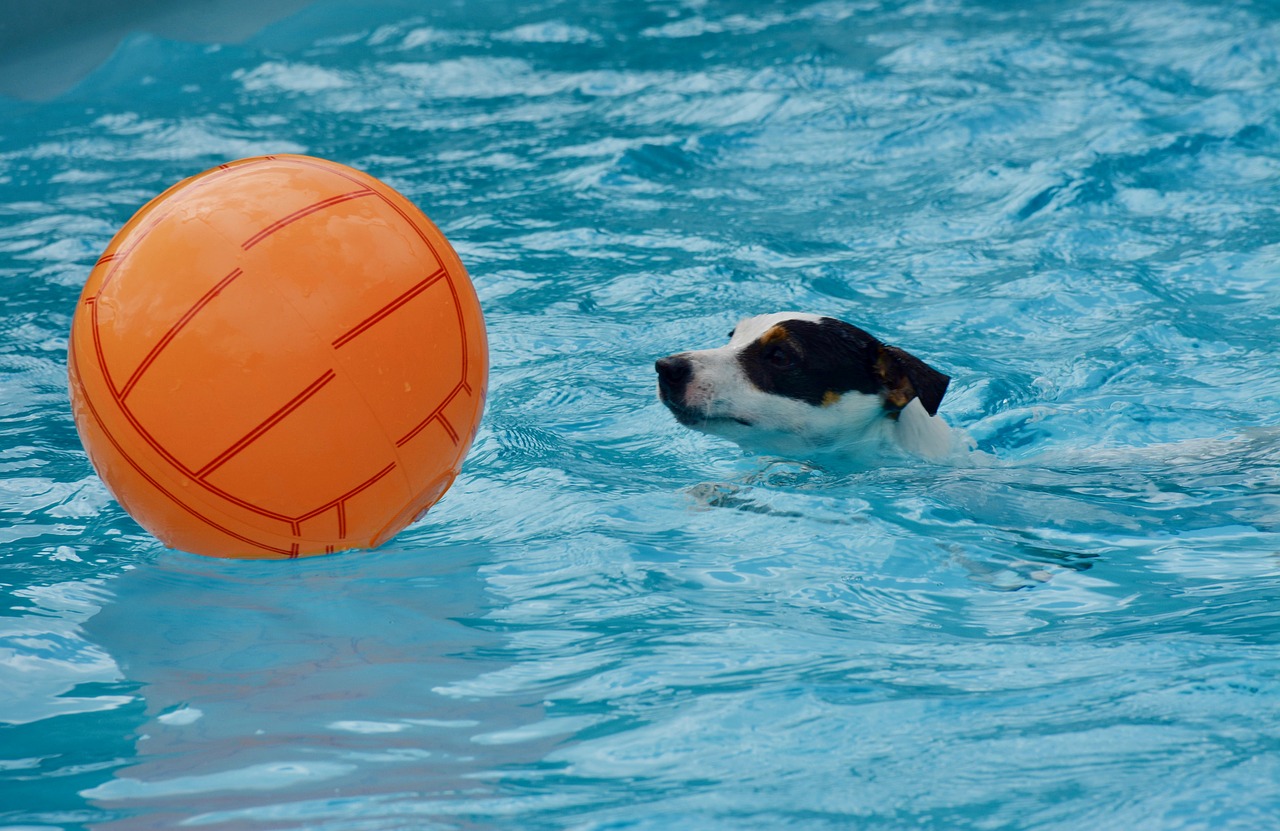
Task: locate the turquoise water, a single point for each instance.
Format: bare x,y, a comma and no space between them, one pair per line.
611,622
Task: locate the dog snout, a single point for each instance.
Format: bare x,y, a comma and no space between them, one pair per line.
674,372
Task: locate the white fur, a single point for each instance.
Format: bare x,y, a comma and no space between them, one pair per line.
751,328
923,434
853,427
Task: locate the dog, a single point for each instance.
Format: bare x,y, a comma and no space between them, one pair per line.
809,387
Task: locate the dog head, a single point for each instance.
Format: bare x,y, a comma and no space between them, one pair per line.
793,382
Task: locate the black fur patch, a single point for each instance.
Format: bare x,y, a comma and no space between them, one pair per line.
810,360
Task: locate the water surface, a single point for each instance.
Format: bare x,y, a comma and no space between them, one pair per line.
611,622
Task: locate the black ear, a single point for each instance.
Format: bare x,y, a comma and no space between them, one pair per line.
906,377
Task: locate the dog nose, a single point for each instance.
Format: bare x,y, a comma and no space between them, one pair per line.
674,372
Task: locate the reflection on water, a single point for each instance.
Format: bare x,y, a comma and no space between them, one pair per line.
332,678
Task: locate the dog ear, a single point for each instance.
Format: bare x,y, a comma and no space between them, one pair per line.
906,377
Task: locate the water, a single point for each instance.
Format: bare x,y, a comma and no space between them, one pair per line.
611,622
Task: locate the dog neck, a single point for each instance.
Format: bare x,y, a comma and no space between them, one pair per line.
856,432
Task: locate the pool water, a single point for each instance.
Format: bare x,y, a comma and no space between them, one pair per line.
611,622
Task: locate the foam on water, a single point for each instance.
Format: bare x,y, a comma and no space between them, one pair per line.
610,621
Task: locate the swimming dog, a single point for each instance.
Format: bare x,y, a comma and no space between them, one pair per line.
808,387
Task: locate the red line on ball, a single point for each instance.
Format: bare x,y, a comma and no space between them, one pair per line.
462,327
436,413
385,311
341,501
301,213
271,421
173,332
366,484
448,428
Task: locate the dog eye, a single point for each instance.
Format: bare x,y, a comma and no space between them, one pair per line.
779,358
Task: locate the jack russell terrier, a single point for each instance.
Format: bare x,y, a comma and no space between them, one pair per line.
808,387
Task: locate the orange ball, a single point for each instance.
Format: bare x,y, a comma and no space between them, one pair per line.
278,357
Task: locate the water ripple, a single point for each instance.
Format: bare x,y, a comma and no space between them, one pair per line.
611,621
